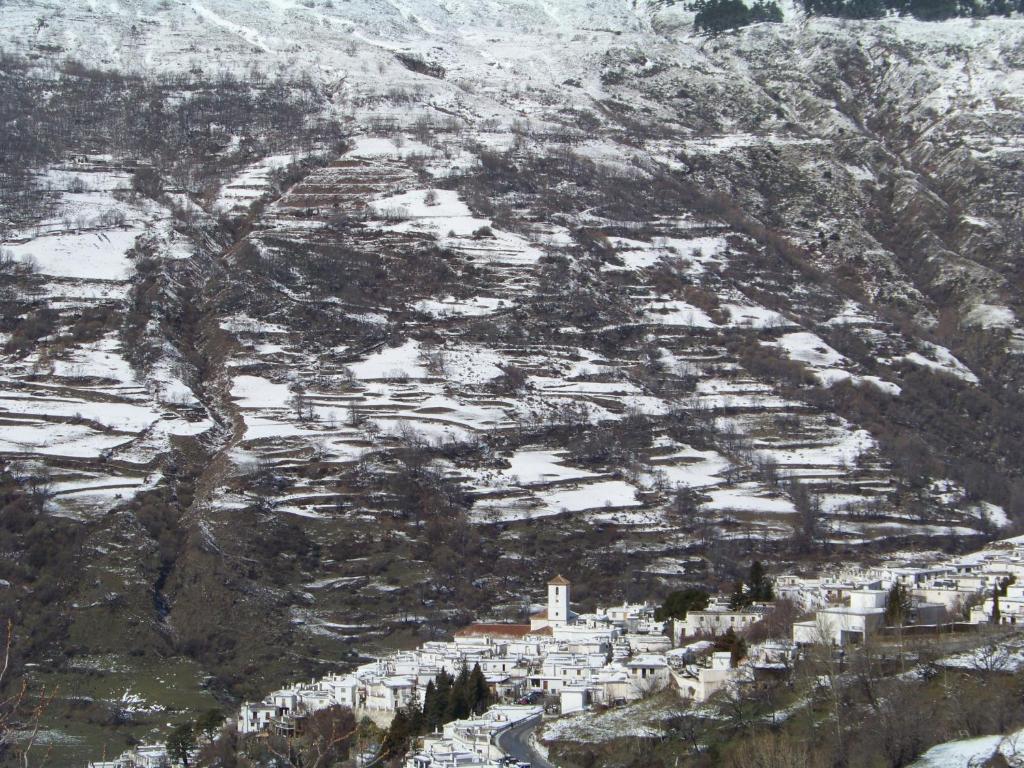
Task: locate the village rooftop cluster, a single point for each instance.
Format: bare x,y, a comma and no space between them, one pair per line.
620,654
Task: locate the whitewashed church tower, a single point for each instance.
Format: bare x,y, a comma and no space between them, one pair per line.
558,601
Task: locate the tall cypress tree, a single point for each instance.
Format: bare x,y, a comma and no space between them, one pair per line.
432,708
761,589
444,684
458,699
897,607
479,693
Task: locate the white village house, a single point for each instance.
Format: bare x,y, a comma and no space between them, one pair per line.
843,624
719,617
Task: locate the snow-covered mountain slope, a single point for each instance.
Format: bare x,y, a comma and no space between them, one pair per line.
347,316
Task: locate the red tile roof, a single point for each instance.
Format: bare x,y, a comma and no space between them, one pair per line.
559,581
494,630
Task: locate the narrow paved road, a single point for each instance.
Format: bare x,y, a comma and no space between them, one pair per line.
515,742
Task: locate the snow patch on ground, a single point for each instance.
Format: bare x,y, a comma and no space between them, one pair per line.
392,363
990,316
81,255
968,753
996,656
256,392
809,348
941,359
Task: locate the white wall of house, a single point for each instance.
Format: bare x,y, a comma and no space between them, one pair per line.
573,699
718,622
951,597
861,599
846,625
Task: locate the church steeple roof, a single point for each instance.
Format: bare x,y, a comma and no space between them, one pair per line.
559,581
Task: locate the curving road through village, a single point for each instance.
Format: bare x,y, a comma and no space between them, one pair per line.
516,742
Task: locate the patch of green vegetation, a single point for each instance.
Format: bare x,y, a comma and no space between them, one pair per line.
105,703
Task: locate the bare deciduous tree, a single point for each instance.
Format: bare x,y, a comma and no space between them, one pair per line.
21,714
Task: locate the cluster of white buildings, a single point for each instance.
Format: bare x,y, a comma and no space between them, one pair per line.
849,603
623,653
992,570
611,656
615,654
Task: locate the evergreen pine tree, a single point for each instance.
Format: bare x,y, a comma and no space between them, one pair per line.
396,740
716,16
739,597
897,606
679,603
414,714
434,711
761,589
431,710
444,682
756,575
479,693
1004,584
457,706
